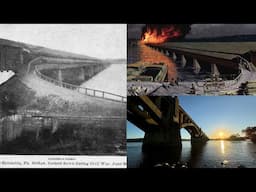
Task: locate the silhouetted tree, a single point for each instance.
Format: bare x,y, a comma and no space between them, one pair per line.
235,137
250,133
8,102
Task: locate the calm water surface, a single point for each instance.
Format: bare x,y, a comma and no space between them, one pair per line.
214,154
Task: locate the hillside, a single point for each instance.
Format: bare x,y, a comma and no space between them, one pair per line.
43,51
116,61
15,96
234,38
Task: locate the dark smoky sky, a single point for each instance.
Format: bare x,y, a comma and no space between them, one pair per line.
203,30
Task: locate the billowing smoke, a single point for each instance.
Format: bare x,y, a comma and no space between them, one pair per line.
160,33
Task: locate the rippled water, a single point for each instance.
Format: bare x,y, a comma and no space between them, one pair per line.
214,154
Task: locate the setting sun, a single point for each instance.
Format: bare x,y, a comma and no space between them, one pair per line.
221,134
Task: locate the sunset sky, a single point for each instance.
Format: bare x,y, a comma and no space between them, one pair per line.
225,114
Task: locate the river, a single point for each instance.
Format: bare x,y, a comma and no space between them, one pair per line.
112,80
140,52
213,154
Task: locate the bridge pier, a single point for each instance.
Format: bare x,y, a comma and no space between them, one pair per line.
82,74
183,61
163,138
2,58
196,66
21,57
55,125
197,140
60,79
174,57
214,70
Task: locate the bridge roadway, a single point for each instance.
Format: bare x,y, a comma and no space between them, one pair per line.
161,118
60,63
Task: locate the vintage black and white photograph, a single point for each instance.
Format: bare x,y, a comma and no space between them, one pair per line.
63,89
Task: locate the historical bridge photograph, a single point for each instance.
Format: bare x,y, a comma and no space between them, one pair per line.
191,132
191,59
63,89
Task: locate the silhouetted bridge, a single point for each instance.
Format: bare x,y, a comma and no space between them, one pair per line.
23,63
161,118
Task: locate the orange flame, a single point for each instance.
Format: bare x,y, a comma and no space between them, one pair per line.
155,36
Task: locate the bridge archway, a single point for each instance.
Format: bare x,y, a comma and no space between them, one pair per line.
191,129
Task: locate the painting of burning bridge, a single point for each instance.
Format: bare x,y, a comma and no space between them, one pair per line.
59,102
191,59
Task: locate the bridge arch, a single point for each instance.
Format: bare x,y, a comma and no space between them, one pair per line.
192,129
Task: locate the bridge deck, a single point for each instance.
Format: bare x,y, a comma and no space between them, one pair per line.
211,48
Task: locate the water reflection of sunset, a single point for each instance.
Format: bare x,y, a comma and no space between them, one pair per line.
149,55
222,146
220,133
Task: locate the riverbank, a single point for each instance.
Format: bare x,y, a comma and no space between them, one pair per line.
141,140
17,95
213,154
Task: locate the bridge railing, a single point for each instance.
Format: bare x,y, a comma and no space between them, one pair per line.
243,62
234,81
82,90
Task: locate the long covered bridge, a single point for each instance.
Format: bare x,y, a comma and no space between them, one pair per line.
214,57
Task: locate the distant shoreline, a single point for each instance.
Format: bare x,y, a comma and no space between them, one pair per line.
232,38
141,140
